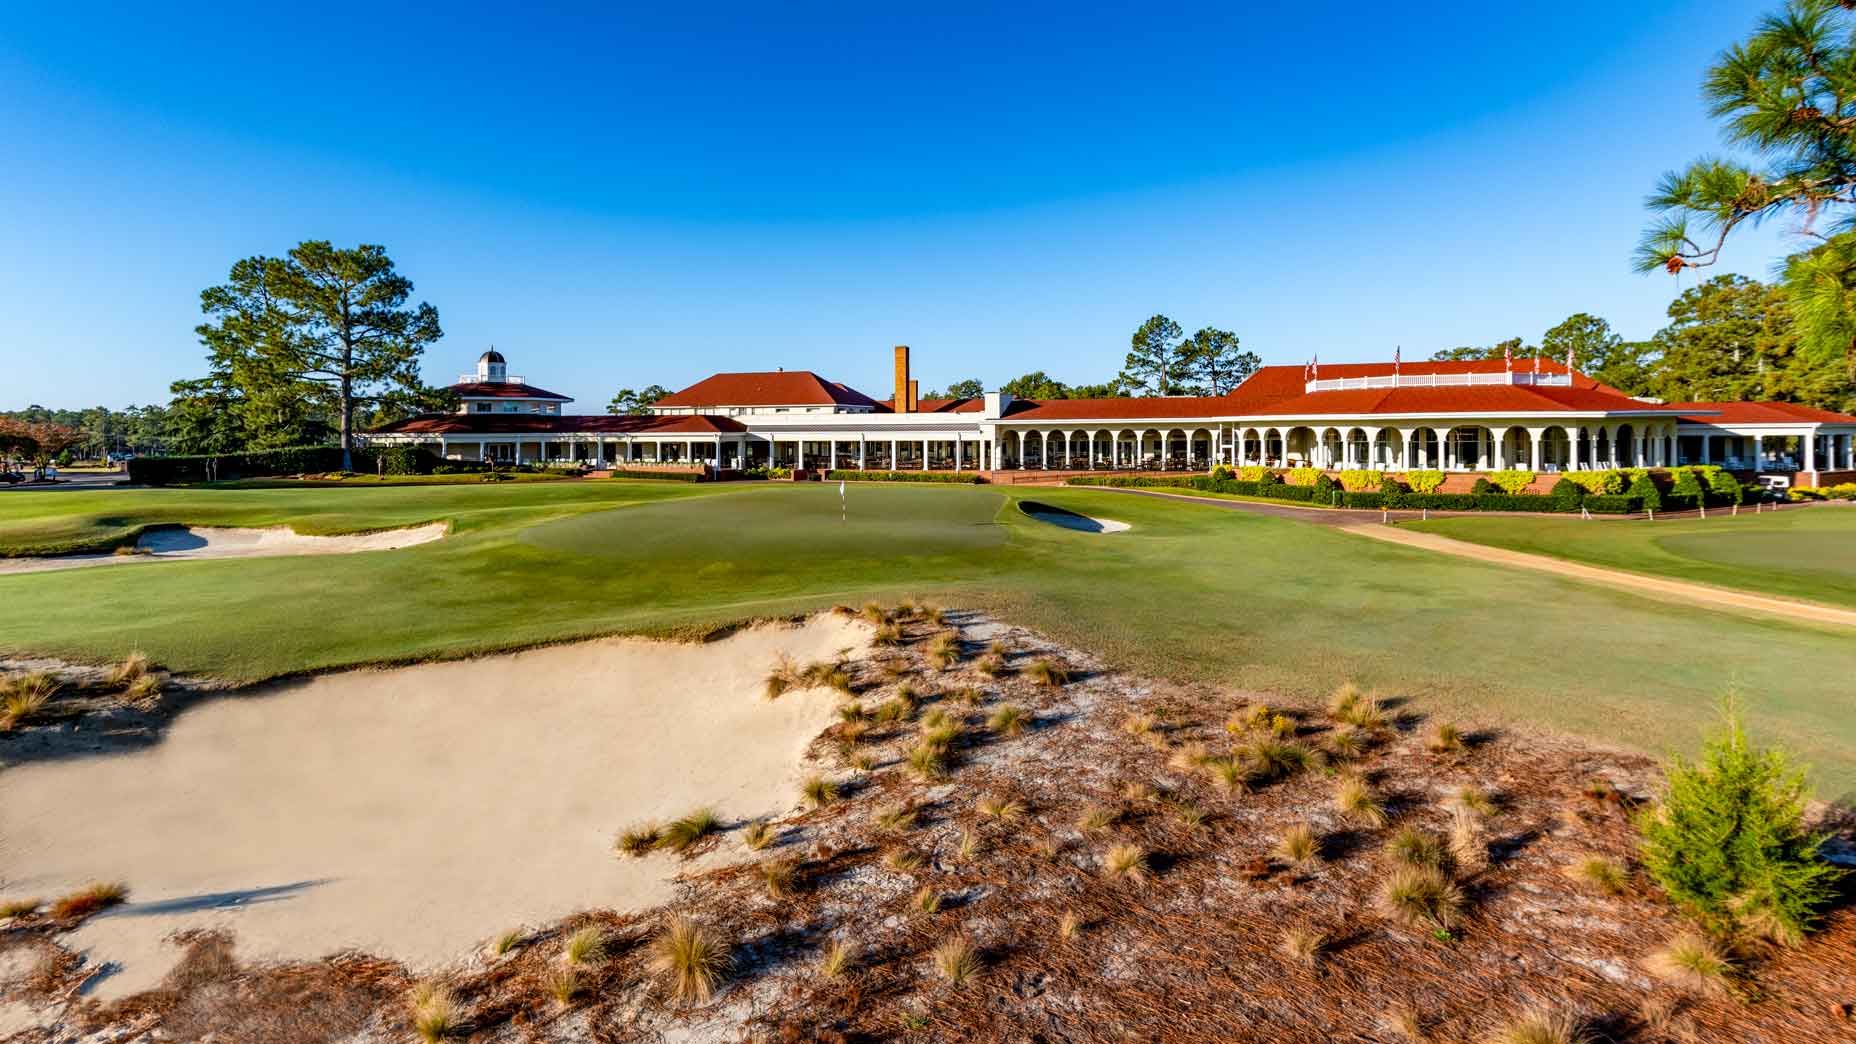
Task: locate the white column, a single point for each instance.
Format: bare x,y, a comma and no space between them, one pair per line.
1707,448
1044,451
1759,453
1537,463
924,454
1810,450
959,446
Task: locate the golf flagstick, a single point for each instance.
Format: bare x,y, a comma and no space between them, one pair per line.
844,509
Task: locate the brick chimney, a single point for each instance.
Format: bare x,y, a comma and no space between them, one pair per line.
915,396
904,400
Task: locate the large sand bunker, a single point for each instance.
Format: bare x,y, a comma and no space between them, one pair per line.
168,543
417,811
1067,519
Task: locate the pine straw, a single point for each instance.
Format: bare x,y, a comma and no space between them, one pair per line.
1196,953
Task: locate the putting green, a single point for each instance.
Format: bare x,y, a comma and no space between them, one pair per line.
779,527
1824,552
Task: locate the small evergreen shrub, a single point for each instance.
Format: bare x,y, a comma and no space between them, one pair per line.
1644,489
1389,485
1482,487
1324,489
1568,494
1728,840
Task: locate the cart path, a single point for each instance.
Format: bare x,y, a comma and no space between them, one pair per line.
1371,524
1654,586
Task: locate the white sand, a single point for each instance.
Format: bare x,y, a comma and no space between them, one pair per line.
170,543
418,811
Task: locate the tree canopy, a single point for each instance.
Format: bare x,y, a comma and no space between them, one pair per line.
1157,362
636,403
1787,96
319,331
1213,362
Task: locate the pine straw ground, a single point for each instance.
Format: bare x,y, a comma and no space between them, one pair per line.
1193,952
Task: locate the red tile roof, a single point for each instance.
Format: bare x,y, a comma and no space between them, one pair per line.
1185,406
1498,398
779,388
556,424
503,390
1762,413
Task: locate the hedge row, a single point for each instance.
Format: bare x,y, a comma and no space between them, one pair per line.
964,478
660,476
1373,501
293,460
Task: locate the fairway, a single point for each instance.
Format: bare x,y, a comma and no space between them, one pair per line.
1189,593
1807,553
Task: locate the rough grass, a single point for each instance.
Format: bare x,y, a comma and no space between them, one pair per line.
91,899
1692,962
691,959
957,960
435,1012
681,835
1421,896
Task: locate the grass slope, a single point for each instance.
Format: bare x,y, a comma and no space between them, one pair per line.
1807,553
1189,593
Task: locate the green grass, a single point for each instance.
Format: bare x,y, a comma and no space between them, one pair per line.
1189,593
1799,553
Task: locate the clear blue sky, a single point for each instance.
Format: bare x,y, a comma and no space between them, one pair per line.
617,199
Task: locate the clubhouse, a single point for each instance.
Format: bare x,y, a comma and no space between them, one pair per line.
1460,416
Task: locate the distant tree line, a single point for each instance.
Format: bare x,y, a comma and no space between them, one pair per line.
1729,339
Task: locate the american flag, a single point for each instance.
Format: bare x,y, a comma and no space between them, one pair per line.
1395,352
1508,354
1536,362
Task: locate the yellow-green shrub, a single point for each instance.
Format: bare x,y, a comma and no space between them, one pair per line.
1357,481
1424,481
1251,473
1601,482
1511,481
1302,476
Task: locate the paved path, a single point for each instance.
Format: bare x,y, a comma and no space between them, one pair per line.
1369,524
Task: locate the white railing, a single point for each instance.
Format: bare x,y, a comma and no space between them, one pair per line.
1439,380
471,378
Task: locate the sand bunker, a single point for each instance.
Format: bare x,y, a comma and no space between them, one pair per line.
415,812
1057,516
167,543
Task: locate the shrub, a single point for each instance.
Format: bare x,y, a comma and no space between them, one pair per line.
1607,504
292,460
1644,489
1324,489
1357,480
1687,485
1540,1026
1008,720
1512,482
1568,494
1605,483
1222,473
1388,485
1049,672
1302,476
692,958
1424,481
1298,845
1725,487
964,477
818,791
1728,841
1253,473
1482,487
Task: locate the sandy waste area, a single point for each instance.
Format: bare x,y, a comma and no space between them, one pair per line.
414,812
182,543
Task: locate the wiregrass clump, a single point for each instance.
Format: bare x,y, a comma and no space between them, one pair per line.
691,958
90,899
1127,862
132,667
434,1012
585,946
1421,896
956,959
1692,962
1542,1026
1048,672
1600,874
1008,720
1356,799
1304,945
639,839
683,834
1299,845
818,791
24,698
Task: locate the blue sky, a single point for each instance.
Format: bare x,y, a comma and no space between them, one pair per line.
622,198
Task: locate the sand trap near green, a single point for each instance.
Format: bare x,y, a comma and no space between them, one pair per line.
414,812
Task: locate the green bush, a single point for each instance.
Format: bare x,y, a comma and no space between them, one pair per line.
293,460
1605,482
1686,483
1725,487
964,477
1482,487
1252,473
1389,486
1223,473
1569,493
1424,481
1368,501
1612,504
1727,840
1512,481
660,476
1324,488
1644,489
1269,478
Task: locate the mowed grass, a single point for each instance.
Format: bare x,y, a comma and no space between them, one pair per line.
1807,553
1191,593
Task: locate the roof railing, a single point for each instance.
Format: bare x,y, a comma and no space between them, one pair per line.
472,378
1440,380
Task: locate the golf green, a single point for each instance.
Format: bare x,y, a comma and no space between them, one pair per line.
1189,593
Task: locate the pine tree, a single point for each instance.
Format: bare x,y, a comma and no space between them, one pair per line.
1728,840
1156,363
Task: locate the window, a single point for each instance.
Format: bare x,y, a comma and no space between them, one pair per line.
480,407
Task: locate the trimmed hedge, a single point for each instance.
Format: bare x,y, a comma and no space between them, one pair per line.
963,478
1391,496
293,460
659,476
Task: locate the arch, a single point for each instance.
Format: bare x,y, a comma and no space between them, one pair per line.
1556,449
1426,449
1467,448
1333,450
1517,449
1388,449
1624,446
1299,445
1272,446
1357,448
